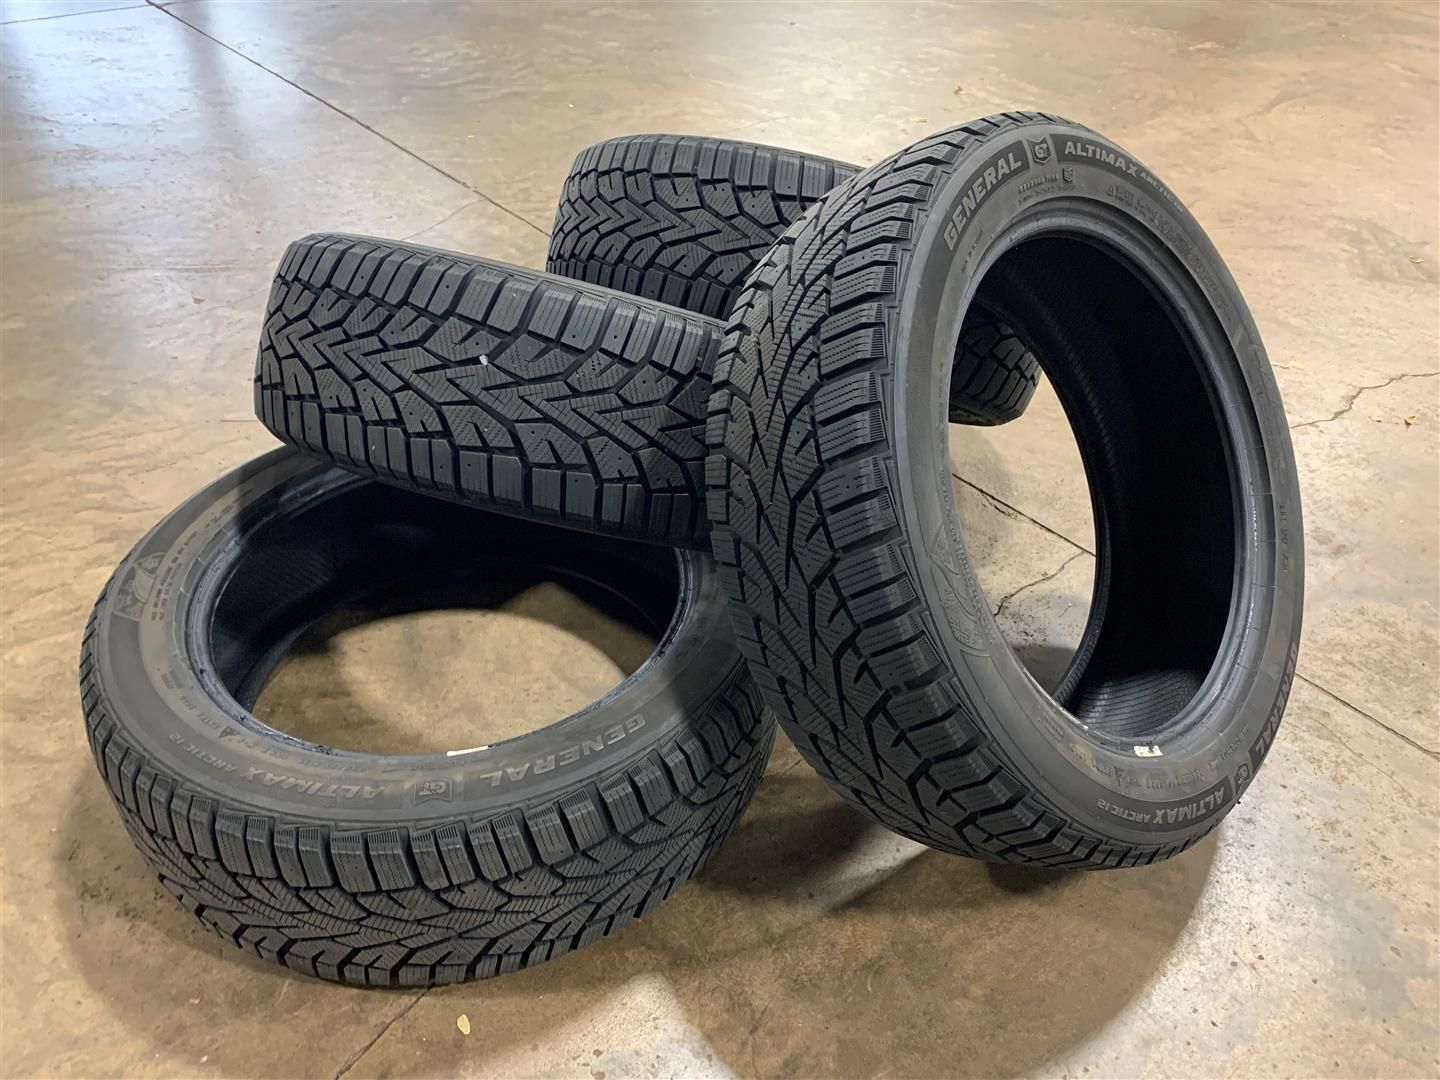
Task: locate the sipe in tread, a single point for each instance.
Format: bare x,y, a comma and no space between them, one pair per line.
683,219
490,385
447,901
811,551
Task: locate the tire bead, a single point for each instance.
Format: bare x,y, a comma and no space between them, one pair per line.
840,627
423,893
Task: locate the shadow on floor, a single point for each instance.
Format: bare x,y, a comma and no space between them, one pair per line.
814,942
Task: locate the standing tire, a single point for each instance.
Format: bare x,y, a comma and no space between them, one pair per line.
490,385
835,524
402,870
683,220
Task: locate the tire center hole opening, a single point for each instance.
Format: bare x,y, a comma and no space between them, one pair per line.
1101,524
383,622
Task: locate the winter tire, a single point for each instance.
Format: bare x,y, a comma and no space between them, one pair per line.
683,219
491,385
835,524
402,870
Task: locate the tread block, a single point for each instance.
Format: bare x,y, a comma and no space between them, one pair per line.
825,600
465,378
412,905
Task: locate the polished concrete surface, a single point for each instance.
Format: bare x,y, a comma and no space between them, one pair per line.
156,159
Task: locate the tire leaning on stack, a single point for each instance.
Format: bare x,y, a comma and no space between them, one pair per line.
834,521
402,870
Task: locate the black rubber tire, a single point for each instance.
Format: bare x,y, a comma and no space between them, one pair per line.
834,520
683,219
491,385
402,870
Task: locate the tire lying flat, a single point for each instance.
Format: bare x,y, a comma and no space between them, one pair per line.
490,385
391,870
684,219
835,524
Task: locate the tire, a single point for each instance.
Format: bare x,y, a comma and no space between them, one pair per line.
683,219
834,521
402,870
490,385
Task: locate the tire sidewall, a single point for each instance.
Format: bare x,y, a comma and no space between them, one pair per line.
177,714
1023,178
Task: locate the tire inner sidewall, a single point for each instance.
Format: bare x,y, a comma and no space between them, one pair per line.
347,542
1195,727
1160,476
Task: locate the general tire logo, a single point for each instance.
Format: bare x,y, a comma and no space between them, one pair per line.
432,790
1040,149
135,588
1242,778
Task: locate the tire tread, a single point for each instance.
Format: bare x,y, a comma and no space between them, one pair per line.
449,900
682,219
840,644
490,385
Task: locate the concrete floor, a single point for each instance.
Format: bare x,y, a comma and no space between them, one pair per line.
157,159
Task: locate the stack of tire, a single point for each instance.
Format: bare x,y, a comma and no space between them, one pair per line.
749,357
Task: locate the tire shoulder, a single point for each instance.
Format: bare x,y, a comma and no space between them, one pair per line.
489,384
502,889
941,780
